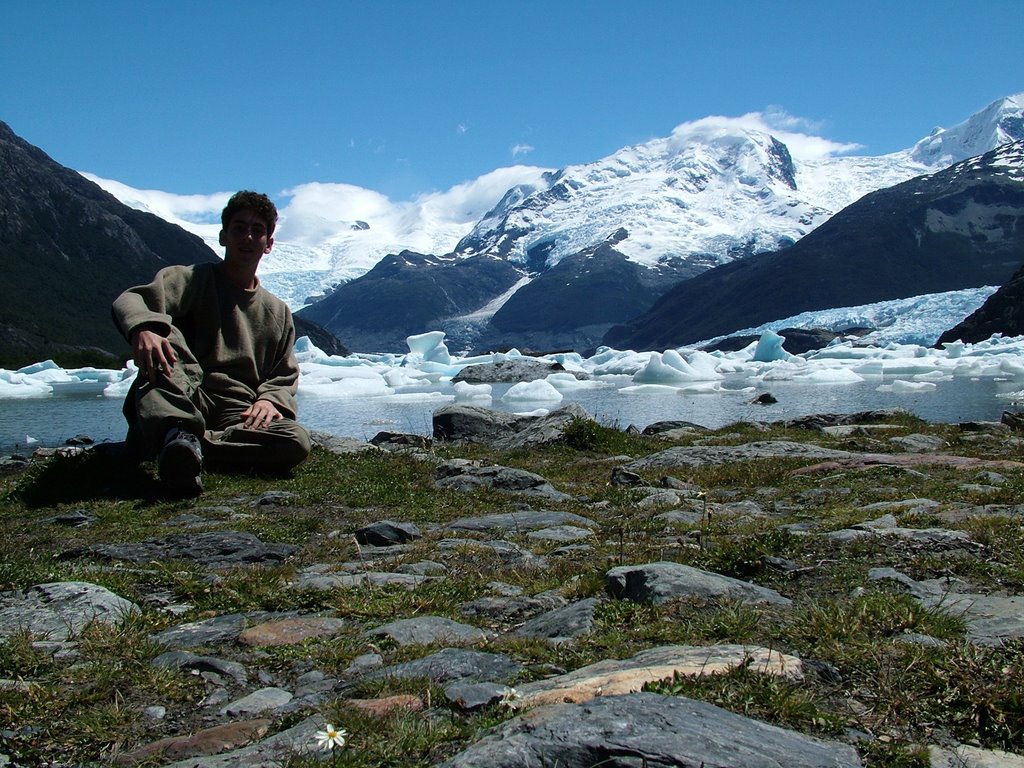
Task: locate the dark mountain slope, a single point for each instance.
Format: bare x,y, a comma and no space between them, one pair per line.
960,228
67,249
595,286
408,293
1002,312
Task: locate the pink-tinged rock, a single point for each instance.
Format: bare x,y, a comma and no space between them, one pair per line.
211,741
290,631
406,702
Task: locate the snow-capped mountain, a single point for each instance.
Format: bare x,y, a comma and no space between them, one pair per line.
1000,122
959,228
717,189
647,216
601,242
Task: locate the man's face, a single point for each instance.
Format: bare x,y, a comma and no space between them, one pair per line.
246,239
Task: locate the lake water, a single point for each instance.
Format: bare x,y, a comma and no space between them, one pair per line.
71,411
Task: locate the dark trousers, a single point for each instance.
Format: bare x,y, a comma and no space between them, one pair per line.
179,400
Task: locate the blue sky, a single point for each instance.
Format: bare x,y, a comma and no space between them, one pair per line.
407,97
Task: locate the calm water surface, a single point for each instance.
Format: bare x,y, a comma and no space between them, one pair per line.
54,419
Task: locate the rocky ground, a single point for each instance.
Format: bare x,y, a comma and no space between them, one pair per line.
528,591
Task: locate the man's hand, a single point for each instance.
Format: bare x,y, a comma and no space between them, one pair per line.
153,354
260,414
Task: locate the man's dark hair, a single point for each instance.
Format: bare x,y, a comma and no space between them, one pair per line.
256,202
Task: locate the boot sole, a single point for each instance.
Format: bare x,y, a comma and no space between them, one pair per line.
180,468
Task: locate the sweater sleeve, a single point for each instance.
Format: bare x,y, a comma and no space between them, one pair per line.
281,381
154,304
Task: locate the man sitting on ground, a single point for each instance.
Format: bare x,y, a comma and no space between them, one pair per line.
217,372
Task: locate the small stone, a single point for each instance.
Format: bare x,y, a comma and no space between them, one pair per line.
76,519
386,533
275,498
623,477
425,630
366,662
473,696
263,700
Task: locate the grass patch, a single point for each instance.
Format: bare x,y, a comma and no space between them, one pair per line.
861,675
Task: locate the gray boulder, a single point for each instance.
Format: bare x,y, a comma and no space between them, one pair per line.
511,609
257,702
452,665
340,445
462,475
562,624
519,522
646,729
513,370
214,549
716,455
992,620
387,533
58,611
663,581
474,424
425,630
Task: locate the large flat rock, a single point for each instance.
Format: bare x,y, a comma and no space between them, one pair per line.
663,581
646,729
618,676
58,611
715,455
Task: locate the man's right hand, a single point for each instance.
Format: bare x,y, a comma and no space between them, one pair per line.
152,353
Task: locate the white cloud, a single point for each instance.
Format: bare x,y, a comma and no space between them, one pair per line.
318,211
461,128
797,133
465,203
521,149
199,214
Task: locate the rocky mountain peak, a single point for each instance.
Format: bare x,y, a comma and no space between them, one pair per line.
1000,122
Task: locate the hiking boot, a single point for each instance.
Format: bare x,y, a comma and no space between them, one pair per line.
180,464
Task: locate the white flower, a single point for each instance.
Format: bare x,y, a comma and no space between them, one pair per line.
509,698
329,737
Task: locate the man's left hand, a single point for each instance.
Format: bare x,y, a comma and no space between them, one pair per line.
260,414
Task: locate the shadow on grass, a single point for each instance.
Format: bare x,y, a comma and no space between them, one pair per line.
100,473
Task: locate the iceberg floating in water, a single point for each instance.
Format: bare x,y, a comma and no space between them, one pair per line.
427,371
532,391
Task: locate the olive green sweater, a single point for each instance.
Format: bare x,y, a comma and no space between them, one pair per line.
242,339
